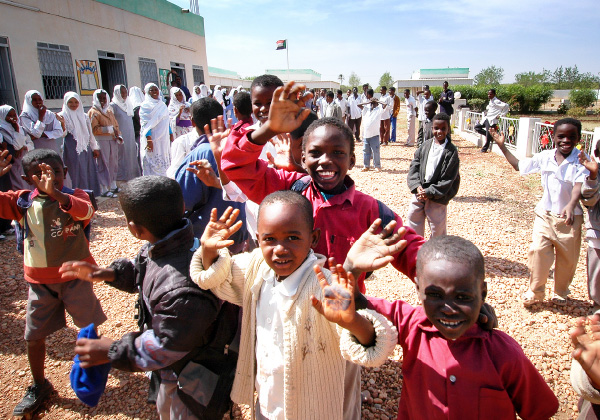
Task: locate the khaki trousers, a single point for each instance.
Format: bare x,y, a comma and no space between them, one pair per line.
552,236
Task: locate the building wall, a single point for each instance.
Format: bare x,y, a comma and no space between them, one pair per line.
87,26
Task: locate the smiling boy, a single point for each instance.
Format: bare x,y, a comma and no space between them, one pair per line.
451,367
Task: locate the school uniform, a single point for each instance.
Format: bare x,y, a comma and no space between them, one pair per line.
411,104
354,116
371,122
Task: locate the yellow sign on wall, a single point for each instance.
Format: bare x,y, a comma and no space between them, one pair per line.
87,75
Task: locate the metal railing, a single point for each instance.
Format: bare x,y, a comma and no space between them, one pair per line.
510,128
543,138
472,119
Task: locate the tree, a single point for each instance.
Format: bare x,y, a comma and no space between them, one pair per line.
571,78
386,79
582,98
354,80
531,78
490,76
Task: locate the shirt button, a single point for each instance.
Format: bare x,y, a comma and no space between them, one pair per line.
452,378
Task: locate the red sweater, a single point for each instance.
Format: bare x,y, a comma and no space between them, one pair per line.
342,219
55,232
481,375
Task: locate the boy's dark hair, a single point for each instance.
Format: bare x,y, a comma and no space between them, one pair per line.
339,92
39,155
493,91
266,80
366,85
393,88
330,94
154,202
337,123
299,132
454,249
295,200
383,88
570,121
434,104
441,117
407,90
370,92
205,109
243,103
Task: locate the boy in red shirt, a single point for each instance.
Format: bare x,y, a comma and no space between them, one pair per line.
53,218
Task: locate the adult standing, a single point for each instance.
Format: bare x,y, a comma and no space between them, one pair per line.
494,110
355,113
177,82
179,113
446,100
332,109
40,123
128,150
411,105
322,103
342,104
423,96
155,133
395,111
384,124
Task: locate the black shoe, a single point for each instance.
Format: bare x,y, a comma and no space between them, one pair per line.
34,397
483,150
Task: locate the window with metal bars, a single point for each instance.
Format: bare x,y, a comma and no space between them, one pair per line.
148,71
198,73
56,67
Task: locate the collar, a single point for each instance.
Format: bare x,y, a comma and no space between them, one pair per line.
36,193
201,140
290,285
340,198
181,238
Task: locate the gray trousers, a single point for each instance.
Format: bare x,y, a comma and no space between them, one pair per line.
593,274
168,404
435,213
110,152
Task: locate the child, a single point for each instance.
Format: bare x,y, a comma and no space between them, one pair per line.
433,178
289,354
451,367
558,215
590,198
170,303
53,219
585,372
371,121
341,212
242,109
425,132
42,125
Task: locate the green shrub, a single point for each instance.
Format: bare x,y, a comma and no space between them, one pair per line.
582,98
477,105
577,112
562,109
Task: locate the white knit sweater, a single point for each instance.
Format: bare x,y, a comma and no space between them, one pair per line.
313,354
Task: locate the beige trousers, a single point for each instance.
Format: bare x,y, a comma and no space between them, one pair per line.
552,236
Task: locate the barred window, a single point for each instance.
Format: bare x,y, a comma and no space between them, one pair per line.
56,66
198,73
148,71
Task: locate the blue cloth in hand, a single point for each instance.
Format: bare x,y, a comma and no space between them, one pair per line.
89,383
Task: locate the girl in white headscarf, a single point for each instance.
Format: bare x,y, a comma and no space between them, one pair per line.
196,94
40,123
81,153
218,95
203,91
155,133
179,113
106,129
129,167
18,143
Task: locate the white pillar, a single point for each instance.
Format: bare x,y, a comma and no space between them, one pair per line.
525,137
462,117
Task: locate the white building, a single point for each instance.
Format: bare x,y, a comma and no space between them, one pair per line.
308,77
55,46
434,77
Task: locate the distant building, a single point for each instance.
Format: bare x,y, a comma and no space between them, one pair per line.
435,77
56,46
309,77
226,78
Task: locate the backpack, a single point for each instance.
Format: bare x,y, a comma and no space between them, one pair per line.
24,202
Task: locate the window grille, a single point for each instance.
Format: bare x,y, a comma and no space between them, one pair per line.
148,71
198,74
56,66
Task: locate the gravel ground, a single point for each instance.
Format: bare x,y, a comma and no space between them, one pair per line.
494,209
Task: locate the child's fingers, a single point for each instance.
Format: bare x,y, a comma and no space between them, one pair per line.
232,217
374,226
316,303
226,214
382,262
388,229
213,215
224,243
278,94
220,124
397,247
286,90
235,227
320,276
303,114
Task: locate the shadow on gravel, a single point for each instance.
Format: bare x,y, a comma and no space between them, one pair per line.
502,267
473,199
395,171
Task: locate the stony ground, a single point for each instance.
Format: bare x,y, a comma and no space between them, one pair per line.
494,209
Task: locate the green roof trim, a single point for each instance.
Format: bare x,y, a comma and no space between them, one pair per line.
450,70
293,71
161,11
223,72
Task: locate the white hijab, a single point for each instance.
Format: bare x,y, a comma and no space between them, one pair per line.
77,122
136,96
28,107
118,100
174,104
96,101
152,111
196,96
218,95
203,91
16,139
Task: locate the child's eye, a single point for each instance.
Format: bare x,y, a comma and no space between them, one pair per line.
464,298
293,238
433,295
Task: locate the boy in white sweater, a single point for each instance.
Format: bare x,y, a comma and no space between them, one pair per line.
291,355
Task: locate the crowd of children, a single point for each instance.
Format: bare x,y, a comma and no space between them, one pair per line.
286,236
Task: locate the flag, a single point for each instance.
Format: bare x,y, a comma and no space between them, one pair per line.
281,44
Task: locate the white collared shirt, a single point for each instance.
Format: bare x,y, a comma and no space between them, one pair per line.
421,103
355,111
434,157
322,104
343,105
557,180
495,109
371,119
273,299
411,104
387,112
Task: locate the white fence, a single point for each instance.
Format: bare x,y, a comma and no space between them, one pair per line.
507,126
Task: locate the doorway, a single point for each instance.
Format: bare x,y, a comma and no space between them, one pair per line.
8,92
112,70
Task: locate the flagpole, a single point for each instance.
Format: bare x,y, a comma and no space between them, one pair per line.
287,53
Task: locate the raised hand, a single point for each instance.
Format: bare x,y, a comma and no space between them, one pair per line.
82,270
375,250
218,230
45,181
205,173
590,164
337,304
287,111
5,164
587,347
498,138
218,138
284,159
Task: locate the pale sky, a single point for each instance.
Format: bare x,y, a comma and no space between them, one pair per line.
371,37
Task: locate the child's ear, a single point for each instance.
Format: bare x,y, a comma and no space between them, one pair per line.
316,235
352,161
303,163
136,230
483,291
193,123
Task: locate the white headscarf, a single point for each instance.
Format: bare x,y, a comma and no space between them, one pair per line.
152,111
28,107
118,100
136,96
218,95
196,96
174,104
240,88
203,91
96,101
16,140
77,122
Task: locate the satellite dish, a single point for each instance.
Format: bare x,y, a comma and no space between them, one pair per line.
457,95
